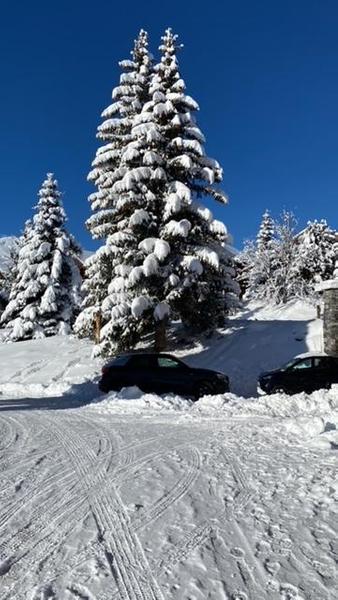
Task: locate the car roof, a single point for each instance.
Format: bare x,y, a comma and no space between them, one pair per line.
146,354
314,355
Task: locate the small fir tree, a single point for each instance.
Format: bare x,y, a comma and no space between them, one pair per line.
266,232
45,294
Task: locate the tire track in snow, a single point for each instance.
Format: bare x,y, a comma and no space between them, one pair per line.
18,433
177,492
123,550
41,527
202,533
149,515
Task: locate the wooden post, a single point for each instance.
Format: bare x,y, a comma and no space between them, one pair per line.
160,335
97,327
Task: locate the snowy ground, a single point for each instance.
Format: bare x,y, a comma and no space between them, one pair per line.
138,497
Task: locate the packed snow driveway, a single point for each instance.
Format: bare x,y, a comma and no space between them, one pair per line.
175,505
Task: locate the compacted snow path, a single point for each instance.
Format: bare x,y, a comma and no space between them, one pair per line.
173,505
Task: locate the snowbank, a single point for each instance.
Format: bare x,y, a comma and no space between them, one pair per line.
276,405
133,401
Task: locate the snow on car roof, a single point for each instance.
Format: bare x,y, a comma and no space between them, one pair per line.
311,354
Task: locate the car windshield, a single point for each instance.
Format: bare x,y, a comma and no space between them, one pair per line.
119,361
288,365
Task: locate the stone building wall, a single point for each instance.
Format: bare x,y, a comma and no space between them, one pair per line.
331,321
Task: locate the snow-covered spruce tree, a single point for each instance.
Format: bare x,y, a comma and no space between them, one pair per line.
109,213
315,255
170,257
45,294
266,232
257,260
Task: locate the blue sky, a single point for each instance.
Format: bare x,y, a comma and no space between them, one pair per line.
265,74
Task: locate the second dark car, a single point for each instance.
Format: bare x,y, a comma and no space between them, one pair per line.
305,373
161,373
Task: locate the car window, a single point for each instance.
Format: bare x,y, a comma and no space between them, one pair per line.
323,362
141,362
169,363
303,364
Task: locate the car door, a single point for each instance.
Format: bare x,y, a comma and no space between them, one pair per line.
326,369
140,372
334,370
171,375
300,376
322,371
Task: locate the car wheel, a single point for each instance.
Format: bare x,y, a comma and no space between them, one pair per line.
204,388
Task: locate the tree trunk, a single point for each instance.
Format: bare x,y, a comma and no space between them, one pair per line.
97,327
160,335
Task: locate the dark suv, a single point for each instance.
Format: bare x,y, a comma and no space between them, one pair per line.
161,373
303,374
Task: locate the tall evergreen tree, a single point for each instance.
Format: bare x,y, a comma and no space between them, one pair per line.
113,160
169,255
45,294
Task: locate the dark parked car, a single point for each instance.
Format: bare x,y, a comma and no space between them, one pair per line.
305,373
161,373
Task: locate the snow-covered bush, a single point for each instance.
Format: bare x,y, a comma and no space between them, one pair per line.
44,296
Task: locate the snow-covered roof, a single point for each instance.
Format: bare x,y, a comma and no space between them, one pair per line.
329,284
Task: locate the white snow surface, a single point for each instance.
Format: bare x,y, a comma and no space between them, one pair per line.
135,496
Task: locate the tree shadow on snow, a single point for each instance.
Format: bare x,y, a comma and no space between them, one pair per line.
248,347
78,395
